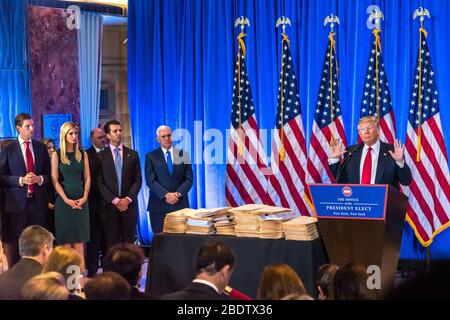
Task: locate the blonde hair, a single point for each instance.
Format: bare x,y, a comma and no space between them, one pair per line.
61,259
46,286
65,128
372,119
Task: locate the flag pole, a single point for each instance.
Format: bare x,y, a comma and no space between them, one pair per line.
377,15
421,12
332,19
282,21
241,21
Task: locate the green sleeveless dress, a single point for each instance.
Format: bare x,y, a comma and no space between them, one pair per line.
71,225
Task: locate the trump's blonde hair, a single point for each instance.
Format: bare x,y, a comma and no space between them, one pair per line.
65,128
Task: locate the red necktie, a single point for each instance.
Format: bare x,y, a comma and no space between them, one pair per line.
367,167
30,163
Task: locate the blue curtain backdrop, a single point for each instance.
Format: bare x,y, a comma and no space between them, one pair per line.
90,69
180,70
14,75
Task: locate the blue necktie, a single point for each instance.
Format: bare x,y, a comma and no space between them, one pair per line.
169,162
118,165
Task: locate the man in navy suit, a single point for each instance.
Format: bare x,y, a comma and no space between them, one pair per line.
168,174
371,162
119,181
25,175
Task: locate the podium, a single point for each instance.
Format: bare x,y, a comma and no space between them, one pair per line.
362,224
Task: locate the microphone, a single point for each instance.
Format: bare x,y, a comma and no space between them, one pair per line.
346,159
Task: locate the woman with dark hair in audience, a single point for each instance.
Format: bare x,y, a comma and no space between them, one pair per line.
350,283
278,281
325,279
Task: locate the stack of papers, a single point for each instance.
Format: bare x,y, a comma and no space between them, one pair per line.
224,223
175,222
246,222
195,225
270,221
301,228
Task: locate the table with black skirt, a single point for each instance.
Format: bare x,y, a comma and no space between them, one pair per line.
173,258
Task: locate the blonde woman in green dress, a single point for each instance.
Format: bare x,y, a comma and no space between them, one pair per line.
72,181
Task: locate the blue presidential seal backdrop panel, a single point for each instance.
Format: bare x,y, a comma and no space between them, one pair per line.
180,72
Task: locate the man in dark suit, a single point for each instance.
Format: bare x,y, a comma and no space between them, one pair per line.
25,175
119,181
127,259
215,263
168,174
35,245
93,247
371,162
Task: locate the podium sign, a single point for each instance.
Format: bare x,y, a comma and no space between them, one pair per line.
349,201
362,224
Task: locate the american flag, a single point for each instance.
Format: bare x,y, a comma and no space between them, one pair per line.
288,160
246,180
376,100
429,192
328,123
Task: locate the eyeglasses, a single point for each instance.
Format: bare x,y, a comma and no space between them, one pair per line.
166,136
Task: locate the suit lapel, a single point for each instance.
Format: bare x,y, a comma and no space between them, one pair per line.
110,162
382,157
37,156
20,155
356,173
125,159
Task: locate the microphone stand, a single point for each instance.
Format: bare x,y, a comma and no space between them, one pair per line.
345,161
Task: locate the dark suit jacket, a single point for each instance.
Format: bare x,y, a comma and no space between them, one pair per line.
161,182
196,291
94,168
131,176
12,281
12,167
388,172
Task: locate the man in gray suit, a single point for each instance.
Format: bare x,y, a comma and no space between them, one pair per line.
168,174
35,245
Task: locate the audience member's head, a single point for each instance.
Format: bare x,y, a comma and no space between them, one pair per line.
215,263
125,259
107,286
36,242
67,262
278,281
325,279
350,283
46,286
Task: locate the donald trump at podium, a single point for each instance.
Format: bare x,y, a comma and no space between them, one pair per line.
370,162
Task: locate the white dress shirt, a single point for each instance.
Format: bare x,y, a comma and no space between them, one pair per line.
375,153
165,155
23,148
